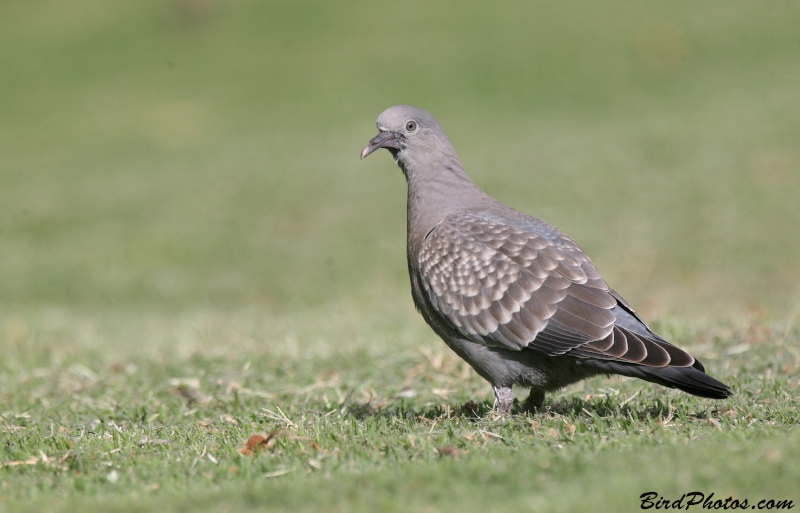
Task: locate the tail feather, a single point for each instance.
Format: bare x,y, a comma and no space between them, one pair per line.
691,380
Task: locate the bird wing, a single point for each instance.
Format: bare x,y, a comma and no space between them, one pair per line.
527,285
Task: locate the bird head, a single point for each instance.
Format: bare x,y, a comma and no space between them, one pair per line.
404,129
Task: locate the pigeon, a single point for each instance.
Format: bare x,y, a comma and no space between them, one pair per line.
513,296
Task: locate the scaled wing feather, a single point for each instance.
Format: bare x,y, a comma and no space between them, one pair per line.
530,286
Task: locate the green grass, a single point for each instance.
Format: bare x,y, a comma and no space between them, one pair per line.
188,243
120,420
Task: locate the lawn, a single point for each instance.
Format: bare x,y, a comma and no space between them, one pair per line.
192,254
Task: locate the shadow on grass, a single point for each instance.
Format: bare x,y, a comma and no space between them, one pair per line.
404,409
607,407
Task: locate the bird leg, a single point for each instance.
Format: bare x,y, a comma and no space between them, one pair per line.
534,401
504,398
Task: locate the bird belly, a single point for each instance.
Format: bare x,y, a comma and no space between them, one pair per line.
527,368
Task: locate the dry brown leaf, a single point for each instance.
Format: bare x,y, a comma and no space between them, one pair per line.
258,442
449,450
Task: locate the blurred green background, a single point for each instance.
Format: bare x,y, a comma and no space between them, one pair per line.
204,153
181,201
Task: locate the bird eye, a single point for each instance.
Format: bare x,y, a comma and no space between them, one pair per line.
411,126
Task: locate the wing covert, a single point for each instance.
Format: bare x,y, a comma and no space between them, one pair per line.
520,287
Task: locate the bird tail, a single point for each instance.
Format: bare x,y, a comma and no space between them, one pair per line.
692,380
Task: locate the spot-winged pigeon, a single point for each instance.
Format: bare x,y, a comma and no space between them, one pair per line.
510,294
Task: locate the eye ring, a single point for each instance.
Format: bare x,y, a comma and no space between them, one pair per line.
411,126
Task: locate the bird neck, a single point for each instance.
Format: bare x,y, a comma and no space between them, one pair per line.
437,187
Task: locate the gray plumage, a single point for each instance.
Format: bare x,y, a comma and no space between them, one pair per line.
510,294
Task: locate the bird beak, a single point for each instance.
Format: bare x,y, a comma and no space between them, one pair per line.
386,140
